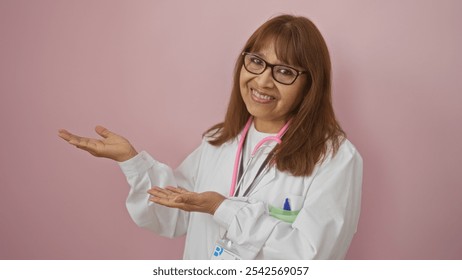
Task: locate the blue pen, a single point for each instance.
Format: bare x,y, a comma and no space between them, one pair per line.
287,205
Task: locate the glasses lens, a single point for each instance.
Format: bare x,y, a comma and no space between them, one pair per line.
284,75
254,64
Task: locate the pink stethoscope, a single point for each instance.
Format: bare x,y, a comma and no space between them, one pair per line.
276,138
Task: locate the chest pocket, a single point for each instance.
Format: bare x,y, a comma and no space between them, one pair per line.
283,215
272,192
294,202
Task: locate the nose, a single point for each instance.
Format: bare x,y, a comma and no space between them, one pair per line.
265,79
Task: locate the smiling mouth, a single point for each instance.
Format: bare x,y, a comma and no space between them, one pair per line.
261,97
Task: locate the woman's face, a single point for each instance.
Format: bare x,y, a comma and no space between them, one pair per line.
267,100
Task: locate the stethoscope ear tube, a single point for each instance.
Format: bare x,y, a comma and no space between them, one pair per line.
238,155
276,138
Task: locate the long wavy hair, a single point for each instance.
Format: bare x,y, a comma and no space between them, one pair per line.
314,131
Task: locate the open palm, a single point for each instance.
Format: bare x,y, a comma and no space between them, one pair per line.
111,145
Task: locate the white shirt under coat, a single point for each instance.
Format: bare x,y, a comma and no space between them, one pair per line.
328,200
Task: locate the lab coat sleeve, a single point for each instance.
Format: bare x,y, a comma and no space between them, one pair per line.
142,173
324,227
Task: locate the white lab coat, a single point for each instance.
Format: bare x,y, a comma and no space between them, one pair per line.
328,200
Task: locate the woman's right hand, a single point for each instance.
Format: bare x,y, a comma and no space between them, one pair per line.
111,146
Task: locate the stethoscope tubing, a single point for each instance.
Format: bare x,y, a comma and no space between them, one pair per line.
276,138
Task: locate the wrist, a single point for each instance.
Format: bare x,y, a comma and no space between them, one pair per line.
131,154
216,205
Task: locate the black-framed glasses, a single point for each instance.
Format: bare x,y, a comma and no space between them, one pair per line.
283,74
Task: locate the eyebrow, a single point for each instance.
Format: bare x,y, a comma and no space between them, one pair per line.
277,63
280,63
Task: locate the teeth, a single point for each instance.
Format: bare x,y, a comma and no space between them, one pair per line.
261,95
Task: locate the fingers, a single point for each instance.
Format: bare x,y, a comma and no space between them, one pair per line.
170,196
167,192
177,197
83,143
178,190
64,134
80,142
69,137
159,192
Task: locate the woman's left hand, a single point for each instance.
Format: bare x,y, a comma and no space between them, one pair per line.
206,202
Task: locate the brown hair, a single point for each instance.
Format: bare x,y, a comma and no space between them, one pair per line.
314,131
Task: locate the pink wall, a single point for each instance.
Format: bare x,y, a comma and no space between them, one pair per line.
159,73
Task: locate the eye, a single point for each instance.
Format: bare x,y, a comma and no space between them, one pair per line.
256,60
284,71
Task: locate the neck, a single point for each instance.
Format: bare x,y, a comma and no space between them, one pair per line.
269,126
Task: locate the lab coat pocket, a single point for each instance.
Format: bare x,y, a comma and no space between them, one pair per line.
291,205
283,215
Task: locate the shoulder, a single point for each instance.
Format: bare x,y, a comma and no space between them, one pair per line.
208,142
214,137
211,134
347,147
346,153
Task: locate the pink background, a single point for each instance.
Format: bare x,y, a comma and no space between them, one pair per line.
159,72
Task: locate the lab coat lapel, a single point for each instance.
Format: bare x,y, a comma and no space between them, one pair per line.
265,181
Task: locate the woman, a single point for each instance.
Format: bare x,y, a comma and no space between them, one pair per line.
276,180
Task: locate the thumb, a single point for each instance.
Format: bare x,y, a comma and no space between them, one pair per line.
178,199
183,198
103,132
